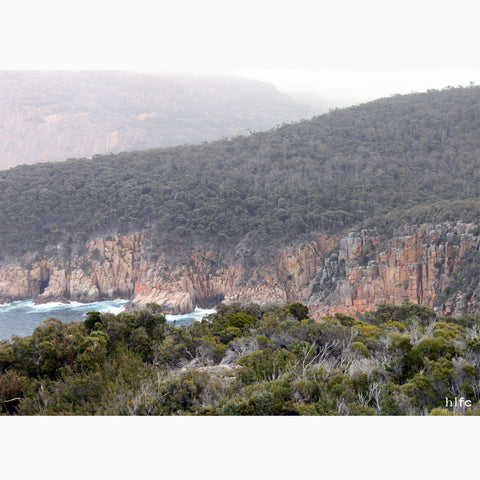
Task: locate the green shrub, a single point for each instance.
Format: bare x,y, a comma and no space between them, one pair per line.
360,348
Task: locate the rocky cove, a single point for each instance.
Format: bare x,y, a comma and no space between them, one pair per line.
435,265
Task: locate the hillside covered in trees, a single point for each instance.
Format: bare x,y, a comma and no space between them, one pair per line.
246,360
399,160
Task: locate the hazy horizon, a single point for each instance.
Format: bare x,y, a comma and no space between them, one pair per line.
324,89
334,54
340,88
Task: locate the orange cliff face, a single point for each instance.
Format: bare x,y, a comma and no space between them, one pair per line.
106,270
415,265
351,275
121,268
197,282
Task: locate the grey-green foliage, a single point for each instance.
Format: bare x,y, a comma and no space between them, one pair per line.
135,363
402,159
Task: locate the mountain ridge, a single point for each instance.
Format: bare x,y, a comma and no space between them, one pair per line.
56,115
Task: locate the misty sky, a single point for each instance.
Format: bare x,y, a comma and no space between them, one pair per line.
344,50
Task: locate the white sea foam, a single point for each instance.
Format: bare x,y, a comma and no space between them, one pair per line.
75,304
50,306
112,309
196,315
15,305
22,317
101,305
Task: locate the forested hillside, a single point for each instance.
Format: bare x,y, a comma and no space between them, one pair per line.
400,160
55,115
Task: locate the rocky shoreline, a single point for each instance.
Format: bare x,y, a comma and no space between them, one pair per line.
350,274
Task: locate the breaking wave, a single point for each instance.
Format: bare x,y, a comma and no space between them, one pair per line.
22,317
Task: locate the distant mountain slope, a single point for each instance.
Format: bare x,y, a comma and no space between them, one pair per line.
52,116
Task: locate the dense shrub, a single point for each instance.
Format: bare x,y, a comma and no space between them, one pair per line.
235,362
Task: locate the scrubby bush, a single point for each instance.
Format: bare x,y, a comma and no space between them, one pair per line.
242,361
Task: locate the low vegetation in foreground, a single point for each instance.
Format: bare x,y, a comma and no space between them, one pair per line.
246,360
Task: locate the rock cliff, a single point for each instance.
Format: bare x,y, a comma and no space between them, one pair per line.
436,265
424,264
106,270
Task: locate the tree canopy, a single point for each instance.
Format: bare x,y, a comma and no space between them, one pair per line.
403,159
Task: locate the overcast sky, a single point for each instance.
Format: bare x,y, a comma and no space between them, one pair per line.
346,50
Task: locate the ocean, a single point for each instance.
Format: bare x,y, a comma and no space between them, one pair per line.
21,318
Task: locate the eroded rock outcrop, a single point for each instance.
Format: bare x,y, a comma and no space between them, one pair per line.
434,265
417,264
198,282
106,269
121,268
